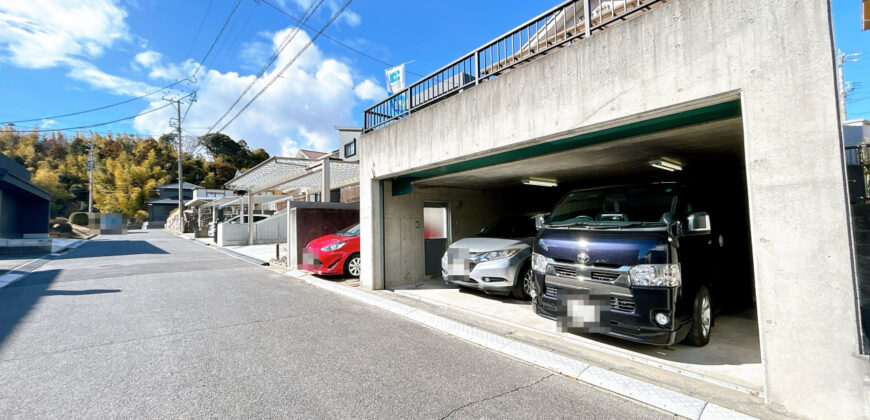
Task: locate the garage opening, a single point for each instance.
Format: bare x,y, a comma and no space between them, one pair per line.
471,202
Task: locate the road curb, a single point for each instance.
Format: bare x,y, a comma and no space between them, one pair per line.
243,257
662,398
23,270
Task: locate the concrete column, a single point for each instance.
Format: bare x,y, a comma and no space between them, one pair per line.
250,219
325,196
371,232
292,242
291,235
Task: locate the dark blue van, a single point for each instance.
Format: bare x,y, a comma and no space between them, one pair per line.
639,262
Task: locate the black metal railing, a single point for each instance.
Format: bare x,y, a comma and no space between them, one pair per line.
565,23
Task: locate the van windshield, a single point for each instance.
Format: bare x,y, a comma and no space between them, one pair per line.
616,207
513,226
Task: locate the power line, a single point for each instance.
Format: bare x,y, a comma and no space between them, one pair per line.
286,42
211,47
287,66
335,40
48,130
199,29
96,109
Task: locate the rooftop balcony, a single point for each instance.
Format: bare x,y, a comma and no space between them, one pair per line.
570,21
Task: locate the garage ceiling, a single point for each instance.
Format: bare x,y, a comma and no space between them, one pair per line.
699,146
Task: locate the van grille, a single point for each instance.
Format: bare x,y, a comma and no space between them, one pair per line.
604,276
622,304
551,292
563,271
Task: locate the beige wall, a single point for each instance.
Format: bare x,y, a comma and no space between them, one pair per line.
777,58
469,211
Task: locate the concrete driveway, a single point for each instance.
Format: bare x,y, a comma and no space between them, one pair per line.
150,325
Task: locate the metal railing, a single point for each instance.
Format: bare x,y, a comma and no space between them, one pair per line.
565,23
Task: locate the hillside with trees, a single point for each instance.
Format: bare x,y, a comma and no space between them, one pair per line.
128,167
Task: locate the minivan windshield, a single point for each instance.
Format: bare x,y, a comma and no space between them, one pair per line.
513,226
616,207
351,231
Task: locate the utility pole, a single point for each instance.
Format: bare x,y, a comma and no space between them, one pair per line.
844,88
176,122
90,167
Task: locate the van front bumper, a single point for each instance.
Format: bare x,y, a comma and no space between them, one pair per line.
627,313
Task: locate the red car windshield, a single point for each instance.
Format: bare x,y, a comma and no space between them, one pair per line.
351,231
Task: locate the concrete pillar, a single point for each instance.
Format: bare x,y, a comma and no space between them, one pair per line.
250,219
371,232
325,196
292,241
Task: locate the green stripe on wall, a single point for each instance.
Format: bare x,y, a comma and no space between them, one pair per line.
402,184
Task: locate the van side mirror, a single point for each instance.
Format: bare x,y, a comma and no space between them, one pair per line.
540,220
698,223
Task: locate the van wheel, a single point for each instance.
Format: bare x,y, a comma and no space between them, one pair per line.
702,319
524,289
353,266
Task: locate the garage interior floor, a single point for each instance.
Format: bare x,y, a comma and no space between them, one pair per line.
732,356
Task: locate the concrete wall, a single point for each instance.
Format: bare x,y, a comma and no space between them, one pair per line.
468,210
270,231
777,58
232,234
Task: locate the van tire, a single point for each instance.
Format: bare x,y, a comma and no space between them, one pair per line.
702,319
519,291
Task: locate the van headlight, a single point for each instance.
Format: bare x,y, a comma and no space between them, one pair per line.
666,275
496,255
539,263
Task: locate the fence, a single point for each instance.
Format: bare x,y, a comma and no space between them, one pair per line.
572,20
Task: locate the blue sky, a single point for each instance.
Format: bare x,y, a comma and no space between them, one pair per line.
61,56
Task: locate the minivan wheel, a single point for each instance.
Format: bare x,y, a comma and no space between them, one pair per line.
353,266
702,319
523,291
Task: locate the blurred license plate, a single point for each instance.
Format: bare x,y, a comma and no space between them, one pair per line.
458,263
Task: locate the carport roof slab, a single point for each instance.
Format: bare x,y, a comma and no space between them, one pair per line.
402,183
268,173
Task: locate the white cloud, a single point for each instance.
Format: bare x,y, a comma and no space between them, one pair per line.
298,111
40,34
96,78
368,90
46,33
289,147
148,58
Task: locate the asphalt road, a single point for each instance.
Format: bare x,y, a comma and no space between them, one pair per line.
150,325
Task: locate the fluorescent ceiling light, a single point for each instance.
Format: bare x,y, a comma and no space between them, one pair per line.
667,164
540,182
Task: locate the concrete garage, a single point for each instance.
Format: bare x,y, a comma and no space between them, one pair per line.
711,153
722,85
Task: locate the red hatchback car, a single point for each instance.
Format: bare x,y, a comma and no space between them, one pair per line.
336,254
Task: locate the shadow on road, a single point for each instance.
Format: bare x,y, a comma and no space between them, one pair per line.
17,300
113,248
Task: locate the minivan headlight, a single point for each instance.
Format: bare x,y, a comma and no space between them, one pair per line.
496,255
666,275
334,246
539,263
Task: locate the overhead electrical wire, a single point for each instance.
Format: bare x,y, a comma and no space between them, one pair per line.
199,29
208,52
47,130
286,42
287,66
218,37
335,40
96,109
